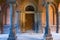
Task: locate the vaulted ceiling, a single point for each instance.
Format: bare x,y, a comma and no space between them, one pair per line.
20,1
2,1
57,1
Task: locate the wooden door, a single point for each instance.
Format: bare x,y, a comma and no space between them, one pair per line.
29,21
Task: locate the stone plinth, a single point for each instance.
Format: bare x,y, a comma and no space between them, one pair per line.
49,35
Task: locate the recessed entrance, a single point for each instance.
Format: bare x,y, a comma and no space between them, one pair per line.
28,18
29,21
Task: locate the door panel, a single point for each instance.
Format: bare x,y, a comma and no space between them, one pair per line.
29,21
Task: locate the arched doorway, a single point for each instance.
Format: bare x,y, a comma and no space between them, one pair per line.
52,17
29,18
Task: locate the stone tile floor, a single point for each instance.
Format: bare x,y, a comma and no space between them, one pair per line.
30,36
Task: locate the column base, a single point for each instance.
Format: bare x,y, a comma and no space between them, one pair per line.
12,37
49,37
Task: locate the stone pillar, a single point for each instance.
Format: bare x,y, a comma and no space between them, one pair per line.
47,20
36,23
12,28
23,23
17,20
48,34
57,20
40,22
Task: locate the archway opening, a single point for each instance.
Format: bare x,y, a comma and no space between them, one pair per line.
52,18
29,8
29,18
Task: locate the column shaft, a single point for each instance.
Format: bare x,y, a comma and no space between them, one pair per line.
47,20
57,20
12,33
17,21
40,22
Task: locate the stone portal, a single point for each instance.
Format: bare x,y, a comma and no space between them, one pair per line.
29,21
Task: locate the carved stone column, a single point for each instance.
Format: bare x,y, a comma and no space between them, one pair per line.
17,17
36,23
40,22
12,25
48,34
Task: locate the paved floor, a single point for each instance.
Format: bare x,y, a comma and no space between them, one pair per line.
25,36
28,36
